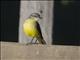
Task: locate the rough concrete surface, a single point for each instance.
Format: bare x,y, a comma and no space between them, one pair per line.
17,51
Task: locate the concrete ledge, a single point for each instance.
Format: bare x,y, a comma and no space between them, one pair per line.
17,51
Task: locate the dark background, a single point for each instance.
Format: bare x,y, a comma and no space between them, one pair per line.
66,28
66,23
9,20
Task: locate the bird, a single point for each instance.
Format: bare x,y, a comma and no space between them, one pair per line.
31,27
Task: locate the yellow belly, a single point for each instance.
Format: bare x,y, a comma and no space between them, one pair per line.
30,29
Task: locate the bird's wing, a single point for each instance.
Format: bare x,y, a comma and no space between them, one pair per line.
40,37
39,29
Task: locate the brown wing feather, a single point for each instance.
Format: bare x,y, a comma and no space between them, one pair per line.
40,38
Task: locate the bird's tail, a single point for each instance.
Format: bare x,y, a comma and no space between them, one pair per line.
41,40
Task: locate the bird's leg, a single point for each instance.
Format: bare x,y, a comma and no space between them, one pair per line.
32,40
36,41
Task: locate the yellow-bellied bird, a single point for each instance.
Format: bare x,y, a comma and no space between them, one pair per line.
32,28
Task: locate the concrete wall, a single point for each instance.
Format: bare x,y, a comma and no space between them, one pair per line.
17,51
28,7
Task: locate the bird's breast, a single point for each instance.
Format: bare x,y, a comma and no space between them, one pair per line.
30,28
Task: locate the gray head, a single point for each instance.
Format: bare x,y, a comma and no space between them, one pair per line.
37,15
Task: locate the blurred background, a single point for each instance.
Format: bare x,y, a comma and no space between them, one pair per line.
65,24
